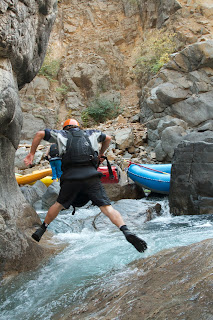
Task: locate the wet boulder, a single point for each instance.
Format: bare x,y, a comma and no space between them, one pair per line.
191,188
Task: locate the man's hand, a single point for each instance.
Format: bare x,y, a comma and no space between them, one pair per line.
36,140
101,158
29,159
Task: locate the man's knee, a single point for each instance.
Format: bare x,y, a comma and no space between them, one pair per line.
106,209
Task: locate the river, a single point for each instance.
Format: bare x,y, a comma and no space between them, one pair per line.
93,254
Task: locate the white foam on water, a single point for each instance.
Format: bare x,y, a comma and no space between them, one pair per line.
90,254
205,225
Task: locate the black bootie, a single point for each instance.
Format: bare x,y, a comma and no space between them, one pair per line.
39,232
138,243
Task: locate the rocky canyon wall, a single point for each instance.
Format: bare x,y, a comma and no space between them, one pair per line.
176,101
92,52
24,31
95,44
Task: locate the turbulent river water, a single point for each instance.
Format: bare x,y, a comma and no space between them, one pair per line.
92,254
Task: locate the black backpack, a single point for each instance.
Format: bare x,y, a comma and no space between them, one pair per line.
54,151
79,151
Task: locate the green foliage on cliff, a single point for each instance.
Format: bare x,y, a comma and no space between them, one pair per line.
155,52
63,89
100,110
50,68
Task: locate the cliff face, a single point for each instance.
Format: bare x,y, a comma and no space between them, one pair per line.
92,42
176,106
95,44
24,30
92,52
176,101
24,33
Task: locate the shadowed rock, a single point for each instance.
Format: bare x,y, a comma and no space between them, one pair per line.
24,32
191,190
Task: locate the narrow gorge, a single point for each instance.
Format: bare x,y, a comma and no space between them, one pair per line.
151,64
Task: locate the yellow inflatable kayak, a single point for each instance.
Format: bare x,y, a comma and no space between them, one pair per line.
34,176
47,180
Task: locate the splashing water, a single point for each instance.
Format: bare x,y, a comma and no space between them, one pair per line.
91,254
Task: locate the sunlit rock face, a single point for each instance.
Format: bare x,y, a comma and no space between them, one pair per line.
95,44
24,32
178,100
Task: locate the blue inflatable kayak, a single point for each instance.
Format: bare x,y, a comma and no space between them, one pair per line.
155,177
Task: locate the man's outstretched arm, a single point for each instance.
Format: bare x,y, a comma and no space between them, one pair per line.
36,141
104,145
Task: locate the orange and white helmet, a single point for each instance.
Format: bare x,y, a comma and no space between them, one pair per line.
71,122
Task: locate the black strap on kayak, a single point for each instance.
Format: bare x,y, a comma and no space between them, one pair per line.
111,175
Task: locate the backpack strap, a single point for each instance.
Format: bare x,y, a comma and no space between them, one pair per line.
69,140
111,175
94,155
90,144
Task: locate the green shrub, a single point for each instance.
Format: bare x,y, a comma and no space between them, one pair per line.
85,118
50,68
155,52
63,89
100,110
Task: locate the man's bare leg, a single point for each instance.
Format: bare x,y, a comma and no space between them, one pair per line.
51,215
113,215
53,212
117,219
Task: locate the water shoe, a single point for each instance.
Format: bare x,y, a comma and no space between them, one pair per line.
138,243
39,233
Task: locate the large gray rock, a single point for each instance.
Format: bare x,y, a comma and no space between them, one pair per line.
119,191
25,28
90,77
155,13
191,188
124,138
24,31
31,125
51,195
172,284
180,95
35,192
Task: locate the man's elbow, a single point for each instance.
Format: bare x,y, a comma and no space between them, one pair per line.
40,134
108,138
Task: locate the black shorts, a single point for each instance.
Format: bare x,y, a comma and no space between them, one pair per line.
92,188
